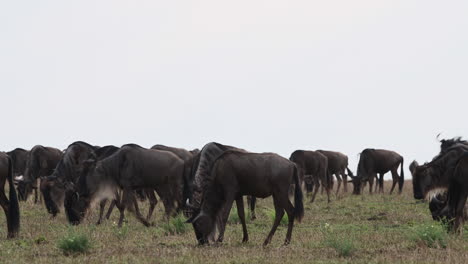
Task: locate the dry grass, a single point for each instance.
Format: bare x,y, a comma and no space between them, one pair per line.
377,228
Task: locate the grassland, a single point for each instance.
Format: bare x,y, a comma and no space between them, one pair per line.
353,229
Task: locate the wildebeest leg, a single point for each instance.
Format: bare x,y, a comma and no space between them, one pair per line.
153,202
102,206
381,183
290,211
225,211
130,197
120,203
395,178
459,212
241,214
252,200
345,181
338,178
316,188
111,208
279,211
35,195
371,181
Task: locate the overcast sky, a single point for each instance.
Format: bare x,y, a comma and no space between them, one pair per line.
267,76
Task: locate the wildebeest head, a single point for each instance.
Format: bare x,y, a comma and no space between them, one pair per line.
52,189
436,206
358,182
25,188
203,225
78,197
421,181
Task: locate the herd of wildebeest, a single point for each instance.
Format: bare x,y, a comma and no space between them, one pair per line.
203,184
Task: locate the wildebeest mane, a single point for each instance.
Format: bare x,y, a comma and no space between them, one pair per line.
208,155
66,168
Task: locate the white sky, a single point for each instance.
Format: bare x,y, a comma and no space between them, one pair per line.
262,75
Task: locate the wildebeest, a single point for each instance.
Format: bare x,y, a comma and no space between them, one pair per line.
67,172
235,174
130,168
202,165
313,167
373,161
9,205
337,164
19,157
41,162
453,208
432,178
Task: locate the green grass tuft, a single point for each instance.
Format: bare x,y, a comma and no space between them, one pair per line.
271,213
341,242
74,243
433,235
176,226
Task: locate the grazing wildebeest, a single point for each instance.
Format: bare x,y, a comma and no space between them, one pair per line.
373,161
201,169
453,208
41,162
19,157
235,174
313,165
130,168
9,205
337,164
432,178
67,172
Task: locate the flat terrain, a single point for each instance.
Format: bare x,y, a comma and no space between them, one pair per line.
355,229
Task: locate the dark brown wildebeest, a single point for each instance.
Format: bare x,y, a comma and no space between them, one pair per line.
236,174
313,165
337,164
19,157
130,168
41,162
373,161
453,208
67,172
186,156
203,162
10,206
432,178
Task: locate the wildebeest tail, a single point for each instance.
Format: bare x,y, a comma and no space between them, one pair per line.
298,197
401,180
13,217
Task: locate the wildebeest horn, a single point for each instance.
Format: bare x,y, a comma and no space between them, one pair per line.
436,200
195,218
438,135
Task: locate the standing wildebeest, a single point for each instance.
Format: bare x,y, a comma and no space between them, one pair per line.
19,157
337,164
41,162
313,165
454,206
10,206
235,174
373,161
67,172
130,168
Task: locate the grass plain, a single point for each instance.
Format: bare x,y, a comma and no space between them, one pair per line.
378,228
